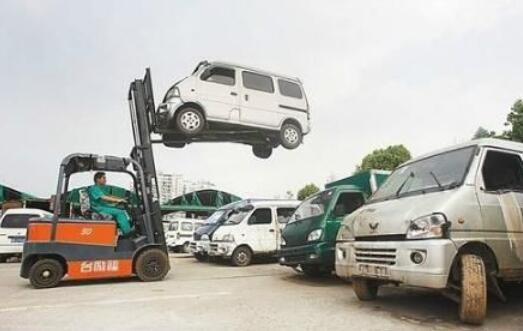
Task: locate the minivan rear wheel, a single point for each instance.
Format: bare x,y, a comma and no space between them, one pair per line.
242,256
290,135
473,304
190,121
262,151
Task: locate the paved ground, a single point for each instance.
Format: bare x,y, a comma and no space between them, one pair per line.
197,296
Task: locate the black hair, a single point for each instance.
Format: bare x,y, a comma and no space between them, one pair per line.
98,175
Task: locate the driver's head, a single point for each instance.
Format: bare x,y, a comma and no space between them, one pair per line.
99,178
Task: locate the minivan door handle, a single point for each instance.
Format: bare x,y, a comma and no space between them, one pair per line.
271,230
234,93
246,97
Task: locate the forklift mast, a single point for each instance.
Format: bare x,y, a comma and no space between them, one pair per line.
141,105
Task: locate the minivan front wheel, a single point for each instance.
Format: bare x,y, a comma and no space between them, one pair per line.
365,289
290,135
190,121
473,305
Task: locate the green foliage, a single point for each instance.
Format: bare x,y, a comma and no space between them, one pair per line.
515,122
481,132
307,191
386,159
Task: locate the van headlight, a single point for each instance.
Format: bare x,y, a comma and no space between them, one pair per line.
314,235
205,237
344,233
283,242
228,237
427,227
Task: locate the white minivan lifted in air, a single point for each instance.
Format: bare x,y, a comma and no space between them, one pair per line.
253,229
13,226
229,102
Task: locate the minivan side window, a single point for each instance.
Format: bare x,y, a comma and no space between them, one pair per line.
257,82
16,221
219,75
284,214
261,216
289,89
502,171
347,203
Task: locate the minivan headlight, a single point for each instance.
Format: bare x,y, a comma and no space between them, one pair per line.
429,226
228,237
205,237
314,235
283,242
344,233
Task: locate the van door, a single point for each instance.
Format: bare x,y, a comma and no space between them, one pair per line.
291,100
500,195
346,203
217,91
258,104
262,233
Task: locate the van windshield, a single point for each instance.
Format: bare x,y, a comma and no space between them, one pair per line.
215,217
173,226
236,217
434,173
313,206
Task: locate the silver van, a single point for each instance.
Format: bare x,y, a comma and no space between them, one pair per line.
450,220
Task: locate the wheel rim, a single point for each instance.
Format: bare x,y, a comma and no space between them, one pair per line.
190,121
242,258
291,135
152,267
46,276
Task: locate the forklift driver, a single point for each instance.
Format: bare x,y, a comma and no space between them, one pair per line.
107,204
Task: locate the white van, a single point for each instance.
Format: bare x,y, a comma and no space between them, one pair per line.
180,232
251,230
13,227
270,109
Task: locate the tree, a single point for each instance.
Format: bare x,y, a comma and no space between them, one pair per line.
289,195
386,159
481,132
307,191
515,122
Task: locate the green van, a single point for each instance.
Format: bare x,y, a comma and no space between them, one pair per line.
309,239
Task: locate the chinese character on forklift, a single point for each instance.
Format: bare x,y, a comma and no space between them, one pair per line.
85,244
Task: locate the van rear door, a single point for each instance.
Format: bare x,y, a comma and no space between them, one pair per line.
258,104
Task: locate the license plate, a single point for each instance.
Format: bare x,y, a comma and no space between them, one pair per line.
374,270
17,240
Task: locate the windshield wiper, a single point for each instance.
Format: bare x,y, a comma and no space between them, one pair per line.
411,175
436,180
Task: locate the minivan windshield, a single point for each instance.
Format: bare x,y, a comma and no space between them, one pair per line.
434,173
17,221
313,206
236,217
173,226
216,216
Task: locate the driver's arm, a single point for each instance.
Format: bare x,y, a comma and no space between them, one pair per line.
112,199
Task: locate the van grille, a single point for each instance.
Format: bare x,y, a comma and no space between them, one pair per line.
385,256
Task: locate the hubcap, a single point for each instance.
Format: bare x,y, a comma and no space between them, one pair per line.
152,267
190,121
46,274
291,135
242,257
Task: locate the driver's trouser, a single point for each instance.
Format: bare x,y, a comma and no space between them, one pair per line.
122,218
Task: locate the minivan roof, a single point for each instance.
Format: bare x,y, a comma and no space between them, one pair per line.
229,64
484,142
19,211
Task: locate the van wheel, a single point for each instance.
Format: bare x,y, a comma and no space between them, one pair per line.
262,151
241,256
290,135
473,305
200,257
314,270
190,121
169,140
151,265
185,248
46,273
365,289
4,258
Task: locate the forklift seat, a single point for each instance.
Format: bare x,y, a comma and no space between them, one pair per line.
87,212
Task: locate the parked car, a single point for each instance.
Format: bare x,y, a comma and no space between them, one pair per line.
180,232
224,101
199,246
450,220
253,229
309,239
13,227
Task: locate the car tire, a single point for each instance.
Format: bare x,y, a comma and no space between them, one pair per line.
262,151
46,273
241,257
365,289
186,247
473,304
151,265
201,257
190,121
290,135
312,270
4,258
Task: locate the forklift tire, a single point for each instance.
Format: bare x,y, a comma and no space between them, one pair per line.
190,121
46,273
241,257
151,265
473,304
290,136
262,151
365,289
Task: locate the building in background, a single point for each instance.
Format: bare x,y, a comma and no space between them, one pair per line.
171,185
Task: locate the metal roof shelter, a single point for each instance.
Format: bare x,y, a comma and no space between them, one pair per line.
367,181
202,202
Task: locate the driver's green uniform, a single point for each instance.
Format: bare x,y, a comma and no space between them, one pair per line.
96,192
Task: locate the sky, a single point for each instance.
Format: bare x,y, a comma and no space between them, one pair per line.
425,74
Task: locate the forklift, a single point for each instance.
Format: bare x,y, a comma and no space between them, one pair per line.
81,244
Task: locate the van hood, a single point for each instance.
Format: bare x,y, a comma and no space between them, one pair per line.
393,217
295,233
207,229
